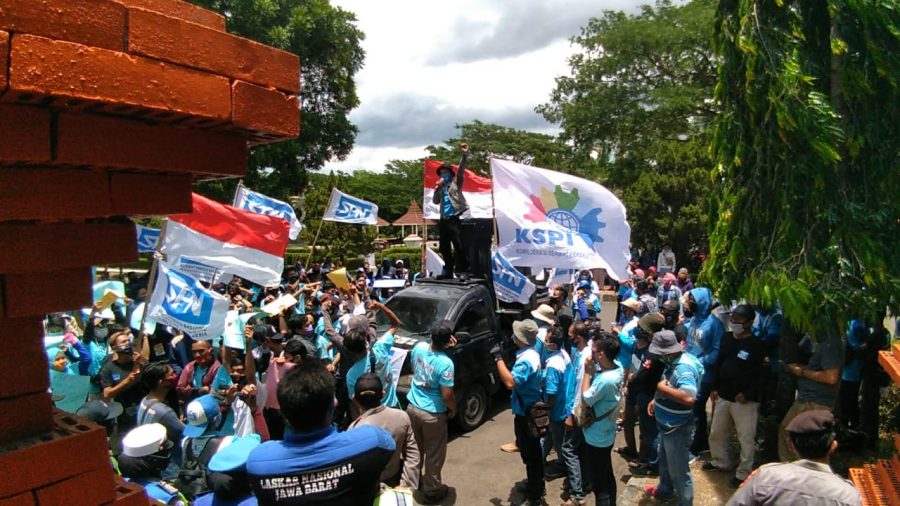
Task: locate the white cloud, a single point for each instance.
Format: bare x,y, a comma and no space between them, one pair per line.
430,65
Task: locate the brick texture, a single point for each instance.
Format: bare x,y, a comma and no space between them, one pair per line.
124,83
4,59
46,292
56,246
26,499
92,487
97,23
129,494
267,112
24,134
83,442
25,371
181,10
99,141
143,194
40,193
24,416
165,38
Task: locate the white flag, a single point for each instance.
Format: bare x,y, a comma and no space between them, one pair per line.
510,284
258,203
433,262
550,219
180,301
347,209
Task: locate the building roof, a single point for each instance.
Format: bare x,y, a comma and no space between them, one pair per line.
382,222
413,216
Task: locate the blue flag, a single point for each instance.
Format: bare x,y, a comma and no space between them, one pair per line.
348,209
146,239
180,301
260,204
510,284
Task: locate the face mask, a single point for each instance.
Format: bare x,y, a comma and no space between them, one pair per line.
101,332
554,300
309,330
125,350
667,359
689,309
171,382
446,177
737,328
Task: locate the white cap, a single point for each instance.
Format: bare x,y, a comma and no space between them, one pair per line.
144,440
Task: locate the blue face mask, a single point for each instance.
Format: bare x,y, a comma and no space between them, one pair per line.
446,177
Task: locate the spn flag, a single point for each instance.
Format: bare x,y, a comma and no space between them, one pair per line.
476,189
239,242
551,219
146,238
510,284
256,202
180,301
347,209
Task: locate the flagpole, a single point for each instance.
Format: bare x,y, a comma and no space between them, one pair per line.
151,282
496,239
237,191
313,248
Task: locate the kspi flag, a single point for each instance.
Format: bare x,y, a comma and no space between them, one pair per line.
347,209
180,301
510,284
551,219
255,202
146,238
239,242
476,189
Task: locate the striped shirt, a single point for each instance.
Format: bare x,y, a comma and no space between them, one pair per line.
685,375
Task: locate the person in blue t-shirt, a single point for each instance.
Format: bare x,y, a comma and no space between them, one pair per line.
525,382
374,358
316,464
559,373
601,389
448,195
676,395
431,403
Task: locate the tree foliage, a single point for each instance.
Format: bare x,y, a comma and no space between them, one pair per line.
329,45
637,109
806,212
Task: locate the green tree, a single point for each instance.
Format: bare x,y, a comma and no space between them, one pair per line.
328,43
806,209
487,139
392,189
636,110
336,241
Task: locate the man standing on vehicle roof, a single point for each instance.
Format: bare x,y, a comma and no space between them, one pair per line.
431,403
449,196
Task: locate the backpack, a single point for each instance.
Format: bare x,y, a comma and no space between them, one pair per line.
191,480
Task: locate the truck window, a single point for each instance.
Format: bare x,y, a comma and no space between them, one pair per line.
475,320
418,314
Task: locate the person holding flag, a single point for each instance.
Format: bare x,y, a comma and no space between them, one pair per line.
449,196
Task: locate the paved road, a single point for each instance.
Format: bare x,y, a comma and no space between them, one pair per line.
480,474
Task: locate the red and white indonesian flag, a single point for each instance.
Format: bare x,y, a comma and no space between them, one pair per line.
476,189
239,242
550,219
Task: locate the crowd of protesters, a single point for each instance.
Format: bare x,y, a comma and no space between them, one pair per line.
307,411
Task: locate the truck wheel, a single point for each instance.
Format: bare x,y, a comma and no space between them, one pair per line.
472,407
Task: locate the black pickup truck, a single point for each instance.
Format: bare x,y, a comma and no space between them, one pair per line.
478,324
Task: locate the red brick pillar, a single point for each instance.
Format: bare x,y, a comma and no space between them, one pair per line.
108,109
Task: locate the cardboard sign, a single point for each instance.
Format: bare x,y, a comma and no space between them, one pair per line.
339,278
280,304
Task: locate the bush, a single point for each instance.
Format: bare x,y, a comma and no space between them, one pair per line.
412,257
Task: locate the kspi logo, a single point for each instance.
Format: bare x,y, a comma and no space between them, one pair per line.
566,210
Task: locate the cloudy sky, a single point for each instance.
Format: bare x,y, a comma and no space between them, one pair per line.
431,65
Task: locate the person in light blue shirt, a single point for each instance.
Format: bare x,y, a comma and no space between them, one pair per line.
525,382
673,407
559,373
626,333
374,358
602,390
431,403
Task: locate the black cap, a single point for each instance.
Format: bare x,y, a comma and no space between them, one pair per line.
811,421
368,384
442,332
744,311
445,166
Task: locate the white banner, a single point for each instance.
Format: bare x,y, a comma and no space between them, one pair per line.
258,203
434,264
180,301
347,209
551,219
510,284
